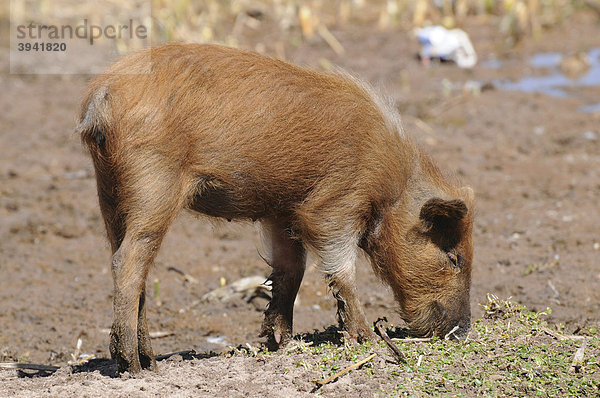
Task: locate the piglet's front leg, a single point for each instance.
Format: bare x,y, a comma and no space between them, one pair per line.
349,310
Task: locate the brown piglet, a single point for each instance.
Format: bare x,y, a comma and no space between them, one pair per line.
317,158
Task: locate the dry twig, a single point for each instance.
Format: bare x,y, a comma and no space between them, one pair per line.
187,277
346,370
162,357
160,334
393,347
29,366
561,337
412,340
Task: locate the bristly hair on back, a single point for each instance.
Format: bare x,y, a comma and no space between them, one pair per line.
383,101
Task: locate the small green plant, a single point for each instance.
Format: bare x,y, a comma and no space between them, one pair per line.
510,351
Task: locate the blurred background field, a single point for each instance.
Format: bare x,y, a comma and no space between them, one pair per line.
284,23
292,20
273,27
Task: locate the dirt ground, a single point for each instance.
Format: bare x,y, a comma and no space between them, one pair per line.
533,161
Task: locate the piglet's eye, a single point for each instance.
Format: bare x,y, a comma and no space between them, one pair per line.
456,259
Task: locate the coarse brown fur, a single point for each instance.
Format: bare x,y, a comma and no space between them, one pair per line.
316,157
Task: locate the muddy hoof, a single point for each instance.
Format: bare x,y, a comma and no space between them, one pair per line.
148,362
367,335
123,350
276,337
359,337
125,364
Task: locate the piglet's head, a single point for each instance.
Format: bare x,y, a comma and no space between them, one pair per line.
426,257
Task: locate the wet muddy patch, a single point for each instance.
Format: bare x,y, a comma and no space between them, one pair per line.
562,76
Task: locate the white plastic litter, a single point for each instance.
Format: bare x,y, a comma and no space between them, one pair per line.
245,288
447,45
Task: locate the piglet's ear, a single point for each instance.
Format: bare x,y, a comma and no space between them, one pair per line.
440,213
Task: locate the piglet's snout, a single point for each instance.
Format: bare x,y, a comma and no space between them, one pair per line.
460,331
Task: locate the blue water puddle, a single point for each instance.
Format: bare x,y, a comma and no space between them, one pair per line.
545,60
590,108
555,84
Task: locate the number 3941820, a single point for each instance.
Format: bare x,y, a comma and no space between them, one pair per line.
42,47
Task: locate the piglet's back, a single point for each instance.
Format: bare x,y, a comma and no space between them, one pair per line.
236,113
